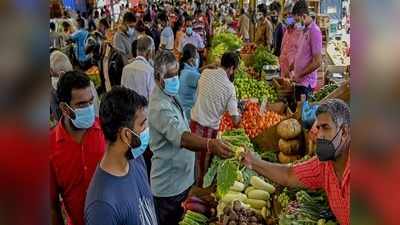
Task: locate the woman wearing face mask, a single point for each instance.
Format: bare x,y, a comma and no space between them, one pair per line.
179,30
329,170
125,36
289,46
173,145
189,76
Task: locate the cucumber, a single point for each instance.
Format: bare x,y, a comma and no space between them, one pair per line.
261,184
258,194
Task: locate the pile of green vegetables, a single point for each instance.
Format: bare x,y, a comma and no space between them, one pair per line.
231,41
325,91
194,218
247,87
307,208
262,57
221,43
216,53
227,171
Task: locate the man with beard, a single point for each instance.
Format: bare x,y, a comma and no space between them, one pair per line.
119,193
76,146
278,28
329,170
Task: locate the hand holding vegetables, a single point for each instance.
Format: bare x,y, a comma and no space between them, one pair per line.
248,158
219,148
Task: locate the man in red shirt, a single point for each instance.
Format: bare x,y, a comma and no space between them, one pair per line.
76,146
329,170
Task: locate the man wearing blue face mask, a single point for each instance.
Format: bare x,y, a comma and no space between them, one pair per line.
192,37
329,170
173,145
76,146
119,193
125,36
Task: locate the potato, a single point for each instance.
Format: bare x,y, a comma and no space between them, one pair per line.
289,128
289,147
287,158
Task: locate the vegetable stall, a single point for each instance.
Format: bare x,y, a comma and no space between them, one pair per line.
233,194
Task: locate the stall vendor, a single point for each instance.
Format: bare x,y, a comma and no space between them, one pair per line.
329,170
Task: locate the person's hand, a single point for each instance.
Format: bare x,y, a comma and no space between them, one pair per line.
219,148
291,67
248,158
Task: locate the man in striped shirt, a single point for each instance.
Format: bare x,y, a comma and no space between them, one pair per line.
215,96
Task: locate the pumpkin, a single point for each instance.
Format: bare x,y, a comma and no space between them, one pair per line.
289,129
289,147
287,158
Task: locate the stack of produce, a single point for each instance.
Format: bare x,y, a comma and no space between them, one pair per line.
239,214
226,123
289,143
196,204
325,91
262,57
258,196
247,87
254,121
193,218
249,48
227,171
305,210
222,42
230,40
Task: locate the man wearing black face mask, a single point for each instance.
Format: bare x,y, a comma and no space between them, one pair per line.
119,193
329,170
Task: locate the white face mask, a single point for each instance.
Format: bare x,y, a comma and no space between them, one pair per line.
131,31
54,81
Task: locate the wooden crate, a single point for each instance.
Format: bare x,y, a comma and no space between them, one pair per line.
342,92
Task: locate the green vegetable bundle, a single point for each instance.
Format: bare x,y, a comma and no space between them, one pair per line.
193,218
231,41
228,171
325,91
263,57
307,209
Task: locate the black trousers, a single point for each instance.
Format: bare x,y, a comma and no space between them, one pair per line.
169,210
298,91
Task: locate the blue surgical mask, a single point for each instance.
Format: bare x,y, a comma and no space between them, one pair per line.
171,86
189,31
84,117
290,21
144,142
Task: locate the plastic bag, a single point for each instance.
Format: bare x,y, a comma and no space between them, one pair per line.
308,114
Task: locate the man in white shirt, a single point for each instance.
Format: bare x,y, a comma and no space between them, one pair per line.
215,95
139,75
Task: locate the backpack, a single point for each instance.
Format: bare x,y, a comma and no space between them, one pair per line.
110,67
